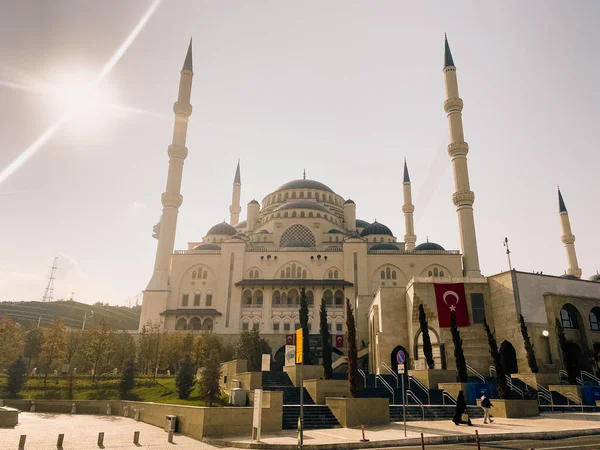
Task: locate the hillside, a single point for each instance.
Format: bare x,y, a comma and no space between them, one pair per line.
71,312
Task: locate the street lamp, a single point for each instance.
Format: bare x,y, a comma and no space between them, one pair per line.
85,317
545,333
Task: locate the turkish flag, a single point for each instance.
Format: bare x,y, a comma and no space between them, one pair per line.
289,339
451,298
339,341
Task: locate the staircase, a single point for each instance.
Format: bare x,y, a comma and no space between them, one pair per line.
435,412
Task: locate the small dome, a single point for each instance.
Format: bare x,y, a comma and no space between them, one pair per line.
207,246
384,246
222,228
254,202
295,243
349,201
334,231
242,224
569,277
303,204
595,278
376,228
237,236
429,246
263,231
304,184
362,223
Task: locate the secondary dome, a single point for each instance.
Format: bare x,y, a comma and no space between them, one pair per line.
569,277
207,246
302,204
334,231
595,278
384,246
242,224
222,228
304,184
376,228
362,223
429,246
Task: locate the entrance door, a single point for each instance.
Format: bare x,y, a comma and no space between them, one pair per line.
508,358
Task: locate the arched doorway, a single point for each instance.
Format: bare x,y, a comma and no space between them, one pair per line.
435,347
394,362
508,358
279,359
576,359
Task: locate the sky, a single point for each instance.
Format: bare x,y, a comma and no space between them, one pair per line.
344,89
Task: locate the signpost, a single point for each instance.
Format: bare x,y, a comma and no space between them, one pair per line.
290,355
401,358
257,417
299,356
266,362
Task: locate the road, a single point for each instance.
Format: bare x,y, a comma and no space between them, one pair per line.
585,443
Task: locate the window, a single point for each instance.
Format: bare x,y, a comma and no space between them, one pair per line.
194,324
330,239
316,196
441,273
286,326
205,275
430,273
293,195
478,305
282,274
208,299
207,325
301,213
435,272
285,214
299,273
335,274
276,327
197,299
181,324
296,325
388,273
339,298
310,195
393,274
301,194
293,213
185,299
595,319
310,299
383,274
251,274
247,298
328,296
330,274
568,317
276,298
329,327
310,214
255,326
288,272
304,274
245,326
257,298
339,327
193,275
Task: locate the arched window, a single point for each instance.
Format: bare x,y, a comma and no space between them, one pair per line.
435,272
430,273
276,298
304,274
181,324
388,273
337,239
285,214
568,317
185,299
310,195
330,239
282,274
441,273
310,214
197,298
301,194
328,296
595,319
194,275
339,298
286,325
276,326
293,270
245,325
301,213
257,298
251,274
318,215
293,195
330,274
299,273
247,297
286,196
205,275
316,196
194,324
293,213
380,239
207,325
288,273
383,274
293,298
393,274
335,274
310,298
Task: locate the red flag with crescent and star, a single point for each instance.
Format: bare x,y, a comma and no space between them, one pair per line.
451,298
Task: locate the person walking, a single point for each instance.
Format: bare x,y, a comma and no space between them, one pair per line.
460,414
486,405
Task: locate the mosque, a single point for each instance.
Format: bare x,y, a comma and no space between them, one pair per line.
247,274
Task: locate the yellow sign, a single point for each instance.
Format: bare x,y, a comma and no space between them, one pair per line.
299,346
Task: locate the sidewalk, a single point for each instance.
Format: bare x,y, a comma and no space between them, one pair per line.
434,432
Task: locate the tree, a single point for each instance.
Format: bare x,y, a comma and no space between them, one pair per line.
53,348
127,381
124,349
427,350
325,337
304,324
211,373
100,335
11,341
500,374
353,377
15,377
250,346
459,355
186,378
569,361
33,345
528,347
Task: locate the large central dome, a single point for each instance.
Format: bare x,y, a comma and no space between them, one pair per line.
304,184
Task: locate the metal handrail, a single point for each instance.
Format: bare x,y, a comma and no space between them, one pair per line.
590,376
421,386
395,375
410,394
546,396
492,369
364,375
450,397
513,387
576,399
388,387
477,374
579,381
563,373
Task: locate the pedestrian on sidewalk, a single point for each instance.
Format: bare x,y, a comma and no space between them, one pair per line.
486,405
460,414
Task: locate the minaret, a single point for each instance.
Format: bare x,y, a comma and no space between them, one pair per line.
171,198
463,197
235,209
568,238
408,209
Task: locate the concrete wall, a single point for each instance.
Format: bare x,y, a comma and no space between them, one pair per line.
564,389
320,389
249,380
228,371
514,408
353,412
9,417
308,373
431,378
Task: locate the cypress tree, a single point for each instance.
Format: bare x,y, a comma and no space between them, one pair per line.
186,377
209,383
500,374
353,376
459,355
568,359
325,336
127,380
304,325
15,377
528,347
427,350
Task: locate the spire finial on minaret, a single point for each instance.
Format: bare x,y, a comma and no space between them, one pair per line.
235,209
187,64
304,175
448,61
567,238
406,177
561,203
237,178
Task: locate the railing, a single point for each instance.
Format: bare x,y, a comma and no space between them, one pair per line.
395,375
563,373
449,396
512,387
477,374
388,387
410,394
421,386
492,369
364,375
579,381
590,376
543,393
572,397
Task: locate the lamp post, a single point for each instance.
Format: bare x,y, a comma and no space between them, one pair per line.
85,317
508,253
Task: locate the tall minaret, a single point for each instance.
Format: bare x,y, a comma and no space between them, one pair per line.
568,238
235,209
171,198
408,209
463,197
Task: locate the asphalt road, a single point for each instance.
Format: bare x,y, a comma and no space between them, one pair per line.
584,443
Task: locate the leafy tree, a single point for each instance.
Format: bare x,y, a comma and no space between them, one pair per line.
569,361
325,337
202,346
353,377
304,324
11,341
503,391
124,349
15,377
33,345
250,346
100,335
186,378
427,350
53,349
459,355
211,373
127,381
149,346
528,347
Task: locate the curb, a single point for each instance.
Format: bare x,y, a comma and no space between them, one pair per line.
432,440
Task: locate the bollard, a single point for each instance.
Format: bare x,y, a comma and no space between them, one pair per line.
73,408
32,407
136,415
477,440
136,437
22,441
59,441
170,437
364,439
422,442
126,411
108,409
101,439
